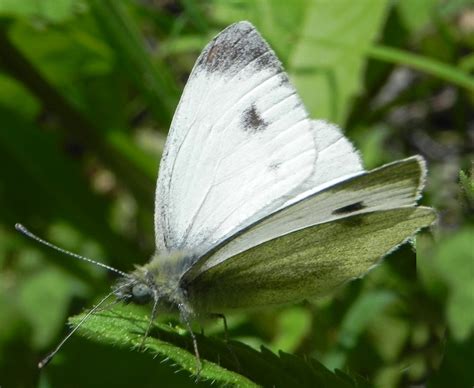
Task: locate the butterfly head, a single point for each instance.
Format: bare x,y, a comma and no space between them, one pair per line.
157,280
139,293
137,288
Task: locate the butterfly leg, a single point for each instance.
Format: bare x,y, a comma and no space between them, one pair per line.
185,319
224,320
154,312
226,338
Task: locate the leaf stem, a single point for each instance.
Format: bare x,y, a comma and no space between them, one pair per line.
427,65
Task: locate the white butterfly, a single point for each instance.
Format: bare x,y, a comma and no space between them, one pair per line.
256,203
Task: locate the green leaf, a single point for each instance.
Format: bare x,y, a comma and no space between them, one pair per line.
93,365
451,262
456,369
42,169
44,300
116,152
226,363
292,326
416,14
16,98
153,79
358,317
329,58
50,10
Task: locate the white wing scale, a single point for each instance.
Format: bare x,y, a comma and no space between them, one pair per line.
243,160
241,146
235,113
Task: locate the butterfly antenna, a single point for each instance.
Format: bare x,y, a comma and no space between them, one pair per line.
27,233
45,361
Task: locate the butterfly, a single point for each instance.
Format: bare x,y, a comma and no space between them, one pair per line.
259,205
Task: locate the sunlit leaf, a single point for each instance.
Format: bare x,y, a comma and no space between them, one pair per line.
221,362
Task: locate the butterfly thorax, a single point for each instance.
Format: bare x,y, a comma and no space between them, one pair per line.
159,280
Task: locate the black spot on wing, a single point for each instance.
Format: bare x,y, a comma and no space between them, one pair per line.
236,47
274,166
350,208
252,121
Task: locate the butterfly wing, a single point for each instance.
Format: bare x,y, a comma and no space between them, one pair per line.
240,146
391,186
306,263
301,238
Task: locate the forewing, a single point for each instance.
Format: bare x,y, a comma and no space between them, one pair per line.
306,263
240,145
391,186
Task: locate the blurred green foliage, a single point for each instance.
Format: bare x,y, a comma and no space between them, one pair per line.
87,92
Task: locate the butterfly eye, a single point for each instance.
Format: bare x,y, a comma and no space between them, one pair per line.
141,293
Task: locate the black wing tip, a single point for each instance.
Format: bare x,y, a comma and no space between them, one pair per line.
242,26
234,48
